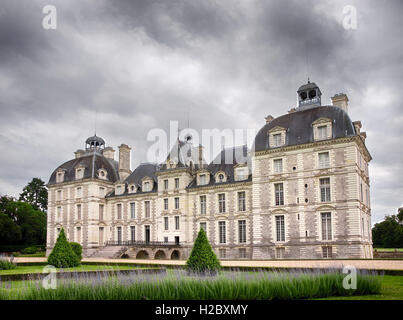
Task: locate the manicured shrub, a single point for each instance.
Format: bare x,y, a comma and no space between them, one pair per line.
62,255
77,249
7,263
202,259
29,250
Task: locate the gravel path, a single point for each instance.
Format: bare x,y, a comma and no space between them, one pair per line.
359,264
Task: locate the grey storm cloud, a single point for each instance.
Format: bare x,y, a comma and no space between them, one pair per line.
131,66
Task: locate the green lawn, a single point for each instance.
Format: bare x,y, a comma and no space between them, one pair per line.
388,249
39,269
392,289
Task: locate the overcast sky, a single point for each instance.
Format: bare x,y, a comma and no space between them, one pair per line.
228,64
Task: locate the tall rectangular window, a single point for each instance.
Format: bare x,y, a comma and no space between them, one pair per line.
280,252
176,222
59,195
176,183
119,211
79,212
166,223
326,218
165,204
322,132
277,140
323,160
241,201
132,233
280,228
101,212
146,186
132,210
324,189
279,194
176,203
222,232
203,205
147,208
327,252
166,184
221,203
59,214
242,231
79,235
79,191
278,165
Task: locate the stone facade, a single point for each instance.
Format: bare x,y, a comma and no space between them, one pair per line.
305,195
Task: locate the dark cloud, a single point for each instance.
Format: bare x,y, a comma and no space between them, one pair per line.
135,65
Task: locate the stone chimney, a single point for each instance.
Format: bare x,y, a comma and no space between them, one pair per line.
340,100
79,153
357,126
201,164
269,119
109,153
124,161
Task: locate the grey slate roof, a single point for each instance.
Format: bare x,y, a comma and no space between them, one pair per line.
91,162
307,86
143,170
226,161
298,126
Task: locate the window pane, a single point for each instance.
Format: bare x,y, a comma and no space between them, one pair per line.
222,231
324,160
280,230
279,193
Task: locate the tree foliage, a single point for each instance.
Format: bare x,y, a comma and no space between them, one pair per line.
389,233
36,194
202,258
78,249
62,255
21,223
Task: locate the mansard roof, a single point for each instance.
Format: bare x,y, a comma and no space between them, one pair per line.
91,162
142,171
298,126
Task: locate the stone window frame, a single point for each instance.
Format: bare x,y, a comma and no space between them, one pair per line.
275,131
224,201
322,122
79,172
239,231
166,223
225,235
78,234
79,192
119,205
60,174
204,222
244,199
177,222
132,188
318,164
331,195
275,196
59,195
102,174
241,168
276,233
200,204
285,214
319,211
132,204
132,232
150,184
119,189
78,213
165,184
165,204
282,165
217,177
207,176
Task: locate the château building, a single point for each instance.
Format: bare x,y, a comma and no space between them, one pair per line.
301,192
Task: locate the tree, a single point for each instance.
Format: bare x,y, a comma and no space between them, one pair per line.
22,216
389,233
62,255
202,258
36,194
10,233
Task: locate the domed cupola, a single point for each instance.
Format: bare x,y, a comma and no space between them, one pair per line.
309,96
94,143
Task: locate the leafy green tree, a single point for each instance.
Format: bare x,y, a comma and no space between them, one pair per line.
62,255
202,258
10,232
388,233
36,194
30,222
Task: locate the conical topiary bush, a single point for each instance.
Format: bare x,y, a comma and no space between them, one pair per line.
62,255
202,258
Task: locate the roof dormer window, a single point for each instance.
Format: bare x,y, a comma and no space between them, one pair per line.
322,129
132,188
241,173
220,177
59,177
102,174
277,137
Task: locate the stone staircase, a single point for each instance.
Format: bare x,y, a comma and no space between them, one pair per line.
109,252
